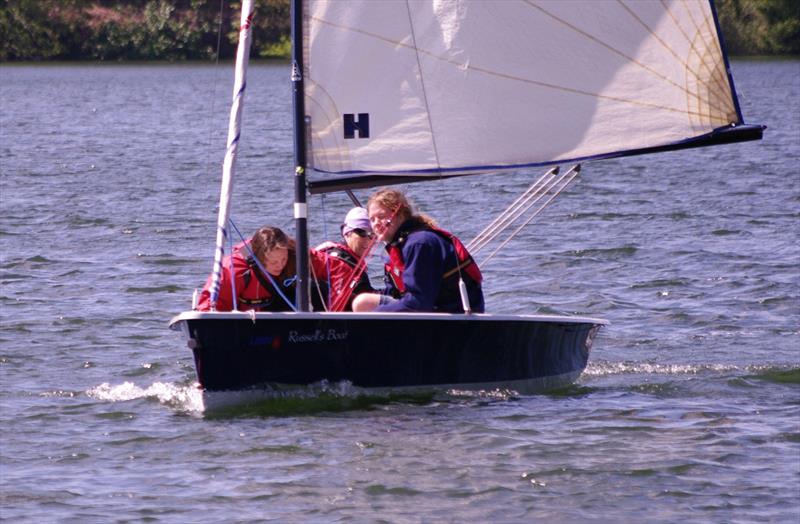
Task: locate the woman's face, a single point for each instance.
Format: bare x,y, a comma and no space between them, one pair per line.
384,222
359,241
275,260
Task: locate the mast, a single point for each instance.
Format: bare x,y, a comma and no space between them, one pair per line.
300,206
234,132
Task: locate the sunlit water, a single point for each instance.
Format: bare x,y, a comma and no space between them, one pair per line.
689,409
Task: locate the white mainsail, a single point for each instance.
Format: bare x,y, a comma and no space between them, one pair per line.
455,86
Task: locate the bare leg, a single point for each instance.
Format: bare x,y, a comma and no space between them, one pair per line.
366,302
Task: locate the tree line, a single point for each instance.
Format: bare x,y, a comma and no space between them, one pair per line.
45,30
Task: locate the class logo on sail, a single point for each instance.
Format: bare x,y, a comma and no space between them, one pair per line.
353,125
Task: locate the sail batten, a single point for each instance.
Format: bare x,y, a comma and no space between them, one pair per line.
457,87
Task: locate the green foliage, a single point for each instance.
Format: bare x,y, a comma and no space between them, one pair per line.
110,30
752,27
280,49
271,29
189,29
783,26
160,31
26,33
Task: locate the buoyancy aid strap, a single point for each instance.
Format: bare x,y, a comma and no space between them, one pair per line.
465,261
339,251
396,266
253,270
269,283
458,268
255,302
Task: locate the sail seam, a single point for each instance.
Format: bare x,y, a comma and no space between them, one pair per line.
422,84
708,45
687,65
711,70
342,148
703,62
714,102
620,53
506,76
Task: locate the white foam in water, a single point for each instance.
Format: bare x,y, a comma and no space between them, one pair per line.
188,398
598,369
493,394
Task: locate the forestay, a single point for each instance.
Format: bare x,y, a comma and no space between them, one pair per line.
448,87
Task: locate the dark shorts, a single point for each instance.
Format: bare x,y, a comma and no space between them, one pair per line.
386,299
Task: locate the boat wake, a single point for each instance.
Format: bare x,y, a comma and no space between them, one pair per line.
770,372
601,368
320,397
187,398
341,396
275,401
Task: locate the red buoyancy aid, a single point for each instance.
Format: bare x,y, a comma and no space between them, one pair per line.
346,273
466,265
252,289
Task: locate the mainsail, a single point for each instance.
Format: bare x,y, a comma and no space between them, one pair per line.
447,87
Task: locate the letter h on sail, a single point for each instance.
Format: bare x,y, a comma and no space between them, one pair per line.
351,125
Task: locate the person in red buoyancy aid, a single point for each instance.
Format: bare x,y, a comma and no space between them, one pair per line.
346,263
425,262
255,290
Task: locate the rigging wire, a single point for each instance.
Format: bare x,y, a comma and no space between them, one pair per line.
260,267
513,211
214,84
324,300
235,301
219,251
554,189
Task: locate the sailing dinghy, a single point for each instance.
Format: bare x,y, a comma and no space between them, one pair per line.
403,91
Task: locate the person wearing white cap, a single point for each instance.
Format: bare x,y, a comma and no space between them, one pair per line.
347,262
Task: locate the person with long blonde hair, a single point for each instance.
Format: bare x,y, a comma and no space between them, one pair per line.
425,262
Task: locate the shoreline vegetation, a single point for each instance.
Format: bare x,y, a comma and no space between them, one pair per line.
179,30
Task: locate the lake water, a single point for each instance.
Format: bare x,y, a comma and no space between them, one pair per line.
688,411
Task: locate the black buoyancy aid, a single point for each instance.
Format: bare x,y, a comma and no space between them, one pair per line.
466,266
338,250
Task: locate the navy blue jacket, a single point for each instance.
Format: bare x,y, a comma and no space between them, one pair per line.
427,256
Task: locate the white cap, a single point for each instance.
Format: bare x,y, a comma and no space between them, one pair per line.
357,218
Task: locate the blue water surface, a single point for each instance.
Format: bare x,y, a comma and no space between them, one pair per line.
689,409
